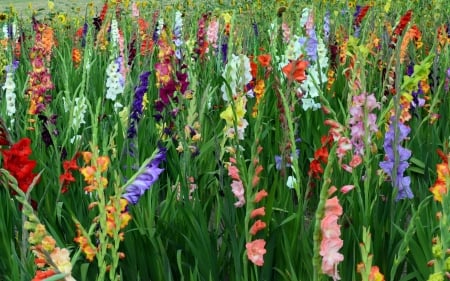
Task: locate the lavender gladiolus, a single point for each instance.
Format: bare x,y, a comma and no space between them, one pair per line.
326,26
148,176
395,168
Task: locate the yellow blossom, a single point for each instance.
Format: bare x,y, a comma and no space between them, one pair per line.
239,110
226,17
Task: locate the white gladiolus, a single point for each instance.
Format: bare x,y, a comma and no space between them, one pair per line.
237,73
114,80
79,106
9,88
114,33
291,182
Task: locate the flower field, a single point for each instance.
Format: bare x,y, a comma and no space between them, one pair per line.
225,140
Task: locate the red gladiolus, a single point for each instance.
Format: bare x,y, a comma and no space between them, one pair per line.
403,23
16,162
253,69
362,13
66,178
43,274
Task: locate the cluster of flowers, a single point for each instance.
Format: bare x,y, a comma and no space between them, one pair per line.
237,74
363,121
237,187
316,54
115,72
396,160
40,79
90,171
169,79
50,260
16,161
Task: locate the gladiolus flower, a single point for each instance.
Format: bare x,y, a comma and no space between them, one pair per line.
439,189
258,212
264,60
375,274
16,162
146,179
295,70
257,226
260,196
233,172
43,274
238,190
347,188
256,251
331,242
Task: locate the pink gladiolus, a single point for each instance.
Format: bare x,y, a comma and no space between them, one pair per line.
212,33
347,188
332,207
238,190
233,172
344,145
331,242
256,251
347,168
356,160
330,227
329,250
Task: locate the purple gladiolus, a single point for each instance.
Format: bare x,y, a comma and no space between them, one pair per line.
136,110
395,168
146,178
83,35
224,49
255,29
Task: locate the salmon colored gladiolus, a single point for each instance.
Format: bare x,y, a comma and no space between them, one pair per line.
260,196
259,212
256,251
257,226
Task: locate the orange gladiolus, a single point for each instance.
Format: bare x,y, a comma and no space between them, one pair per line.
264,60
76,56
295,70
439,189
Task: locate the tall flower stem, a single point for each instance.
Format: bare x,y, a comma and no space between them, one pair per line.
102,250
320,212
